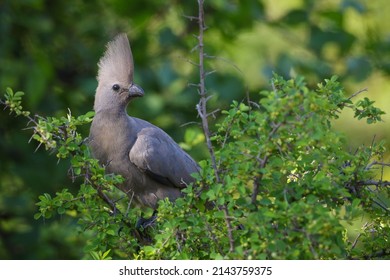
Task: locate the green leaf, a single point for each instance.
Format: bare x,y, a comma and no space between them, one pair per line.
61,210
37,216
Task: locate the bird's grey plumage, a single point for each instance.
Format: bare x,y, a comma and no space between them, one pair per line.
153,165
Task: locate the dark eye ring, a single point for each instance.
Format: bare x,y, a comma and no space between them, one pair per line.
116,87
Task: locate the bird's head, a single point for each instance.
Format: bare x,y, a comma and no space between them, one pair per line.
115,76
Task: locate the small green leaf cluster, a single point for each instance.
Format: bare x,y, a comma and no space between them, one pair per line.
61,134
101,255
14,102
365,109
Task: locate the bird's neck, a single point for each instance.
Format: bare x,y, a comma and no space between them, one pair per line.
109,120
115,112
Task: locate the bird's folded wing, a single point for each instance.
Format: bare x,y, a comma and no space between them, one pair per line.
156,154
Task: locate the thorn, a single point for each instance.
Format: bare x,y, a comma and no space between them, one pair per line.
128,205
193,85
189,61
213,113
208,98
210,72
38,147
189,123
254,104
191,18
195,48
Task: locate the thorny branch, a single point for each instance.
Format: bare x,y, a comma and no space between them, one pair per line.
202,111
202,105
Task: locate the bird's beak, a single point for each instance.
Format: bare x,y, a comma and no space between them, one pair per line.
135,91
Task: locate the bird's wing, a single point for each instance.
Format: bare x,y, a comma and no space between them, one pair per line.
156,154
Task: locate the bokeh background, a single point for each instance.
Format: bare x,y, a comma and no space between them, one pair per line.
50,50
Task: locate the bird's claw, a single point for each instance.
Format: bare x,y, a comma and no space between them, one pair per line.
144,223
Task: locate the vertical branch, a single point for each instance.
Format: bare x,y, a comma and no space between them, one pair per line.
202,111
201,107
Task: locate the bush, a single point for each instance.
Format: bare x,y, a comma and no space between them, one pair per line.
284,185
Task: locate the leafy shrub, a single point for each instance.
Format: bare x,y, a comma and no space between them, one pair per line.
285,185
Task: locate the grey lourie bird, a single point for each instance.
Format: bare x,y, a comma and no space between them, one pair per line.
153,165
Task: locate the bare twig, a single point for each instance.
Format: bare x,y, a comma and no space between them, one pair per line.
189,123
226,61
101,194
229,228
383,207
191,18
213,113
210,72
193,85
355,241
357,93
366,225
377,163
189,61
129,204
374,183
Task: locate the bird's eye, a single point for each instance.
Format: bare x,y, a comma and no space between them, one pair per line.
116,87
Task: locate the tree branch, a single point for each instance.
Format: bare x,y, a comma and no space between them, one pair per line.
357,93
374,183
202,111
377,163
201,107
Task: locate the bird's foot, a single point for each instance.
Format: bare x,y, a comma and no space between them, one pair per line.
144,223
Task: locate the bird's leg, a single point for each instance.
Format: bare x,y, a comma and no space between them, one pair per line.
145,223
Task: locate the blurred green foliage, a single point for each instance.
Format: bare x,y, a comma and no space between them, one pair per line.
50,49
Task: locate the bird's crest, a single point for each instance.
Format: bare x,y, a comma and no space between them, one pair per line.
117,62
